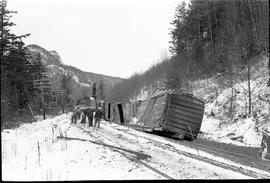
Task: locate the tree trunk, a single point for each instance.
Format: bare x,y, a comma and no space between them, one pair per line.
253,20
62,106
44,117
2,33
43,101
31,110
249,90
231,104
210,29
269,72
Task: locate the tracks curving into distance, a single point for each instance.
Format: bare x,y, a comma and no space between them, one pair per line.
162,145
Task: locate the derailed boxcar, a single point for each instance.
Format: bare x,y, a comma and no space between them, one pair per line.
116,113
107,114
178,114
129,110
120,112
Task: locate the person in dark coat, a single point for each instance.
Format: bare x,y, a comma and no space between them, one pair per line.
79,112
89,114
83,116
75,115
98,116
73,118
265,147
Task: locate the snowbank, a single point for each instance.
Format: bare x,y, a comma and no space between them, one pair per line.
241,133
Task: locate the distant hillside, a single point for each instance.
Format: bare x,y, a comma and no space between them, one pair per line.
82,80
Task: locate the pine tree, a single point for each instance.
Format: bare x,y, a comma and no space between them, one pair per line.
101,90
39,75
66,90
178,33
42,89
8,42
14,64
94,90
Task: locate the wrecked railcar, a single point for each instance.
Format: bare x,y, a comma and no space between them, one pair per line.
180,115
114,112
120,112
107,108
117,115
129,110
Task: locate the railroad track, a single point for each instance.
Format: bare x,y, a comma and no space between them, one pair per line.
128,154
171,148
216,163
209,147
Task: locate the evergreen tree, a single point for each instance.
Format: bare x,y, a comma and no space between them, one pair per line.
20,80
10,47
101,90
94,90
38,74
179,33
66,90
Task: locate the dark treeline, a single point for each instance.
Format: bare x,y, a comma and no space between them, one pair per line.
25,87
208,39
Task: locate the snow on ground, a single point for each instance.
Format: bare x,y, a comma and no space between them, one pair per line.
31,152
62,160
131,133
219,124
242,133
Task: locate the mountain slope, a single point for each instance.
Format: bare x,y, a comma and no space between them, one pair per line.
82,81
226,116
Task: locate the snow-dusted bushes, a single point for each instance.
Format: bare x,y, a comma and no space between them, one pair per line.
235,125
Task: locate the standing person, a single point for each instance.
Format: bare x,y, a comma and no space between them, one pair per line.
265,147
75,114
73,117
89,114
98,116
83,116
79,112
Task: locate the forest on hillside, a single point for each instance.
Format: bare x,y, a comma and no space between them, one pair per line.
220,39
25,87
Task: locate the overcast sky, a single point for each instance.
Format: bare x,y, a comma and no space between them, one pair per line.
111,37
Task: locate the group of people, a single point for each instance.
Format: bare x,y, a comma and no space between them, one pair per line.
89,113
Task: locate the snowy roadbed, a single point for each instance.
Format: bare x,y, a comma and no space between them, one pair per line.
32,152
176,146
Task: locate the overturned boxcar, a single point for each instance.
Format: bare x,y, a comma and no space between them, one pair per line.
129,110
180,115
117,115
120,112
114,112
107,108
